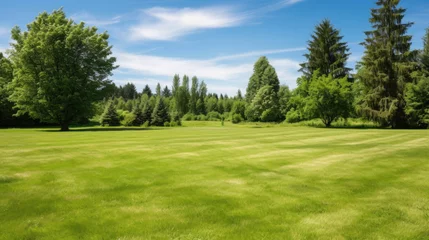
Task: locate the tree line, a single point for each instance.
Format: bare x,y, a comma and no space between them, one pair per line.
57,71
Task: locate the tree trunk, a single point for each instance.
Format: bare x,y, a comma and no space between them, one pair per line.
64,127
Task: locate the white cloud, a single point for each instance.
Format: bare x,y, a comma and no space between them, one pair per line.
165,24
91,20
170,24
258,53
221,77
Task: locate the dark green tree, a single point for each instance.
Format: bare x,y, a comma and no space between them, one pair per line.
158,90
60,68
386,66
110,116
147,91
194,96
147,112
129,91
160,113
166,92
139,119
284,96
326,52
176,85
424,55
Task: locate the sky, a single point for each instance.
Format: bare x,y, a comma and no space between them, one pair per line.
216,40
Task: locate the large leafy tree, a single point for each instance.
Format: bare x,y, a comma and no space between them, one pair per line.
60,67
424,54
6,76
329,98
264,106
386,66
326,52
417,98
255,81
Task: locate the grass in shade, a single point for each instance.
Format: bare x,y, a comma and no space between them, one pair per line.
205,181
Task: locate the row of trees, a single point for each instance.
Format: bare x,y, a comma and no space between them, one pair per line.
57,72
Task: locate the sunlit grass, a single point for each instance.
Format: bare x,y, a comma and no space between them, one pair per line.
205,181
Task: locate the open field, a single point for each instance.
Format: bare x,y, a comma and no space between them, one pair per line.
212,182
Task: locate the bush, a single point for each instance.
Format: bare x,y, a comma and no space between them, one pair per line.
201,117
189,117
236,118
166,124
213,116
127,119
293,116
173,124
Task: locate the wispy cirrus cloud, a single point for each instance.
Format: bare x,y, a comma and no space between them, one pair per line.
166,24
92,20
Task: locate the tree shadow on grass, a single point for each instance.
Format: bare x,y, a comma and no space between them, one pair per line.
103,129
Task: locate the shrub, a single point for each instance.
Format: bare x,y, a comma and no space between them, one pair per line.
236,118
293,116
189,117
173,124
166,124
146,124
128,119
213,116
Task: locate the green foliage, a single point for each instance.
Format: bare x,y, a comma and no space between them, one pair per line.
194,96
138,119
326,52
255,81
128,119
236,118
329,98
264,106
166,92
284,100
60,68
239,107
147,91
214,116
386,66
160,113
147,113
424,55
417,97
293,116
129,91
110,116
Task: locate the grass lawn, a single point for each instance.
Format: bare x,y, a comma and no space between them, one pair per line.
212,182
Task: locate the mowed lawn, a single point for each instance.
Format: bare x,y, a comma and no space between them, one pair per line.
215,183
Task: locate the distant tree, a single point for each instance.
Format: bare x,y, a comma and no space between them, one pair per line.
211,104
183,96
424,56
166,92
110,116
239,95
147,91
147,113
330,98
129,91
6,76
239,107
194,96
176,86
61,68
255,81
160,114
139,119
158,90
284,96
386,66
201,107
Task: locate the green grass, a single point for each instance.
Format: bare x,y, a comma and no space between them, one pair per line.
213,182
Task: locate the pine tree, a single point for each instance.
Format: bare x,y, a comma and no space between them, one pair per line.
194,96
166,92
160,113
239,95
326,52
386,66
424,56
147,91
110,116
255,81
147,113
158,90
139,119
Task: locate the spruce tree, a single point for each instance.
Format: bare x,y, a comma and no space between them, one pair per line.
424,56
386,66
147,113
110,116
147,91
160,113
326,52
158,90
166,92
138,113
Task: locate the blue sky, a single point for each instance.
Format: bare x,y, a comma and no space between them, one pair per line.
218,41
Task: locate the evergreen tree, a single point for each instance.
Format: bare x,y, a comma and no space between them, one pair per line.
110,116
239,95
160,113
129,91
166,92
194,96
139,119
147,113
327,53
386,66
255,81
424,56
176,85
158,90
264,106
269,78
147,91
